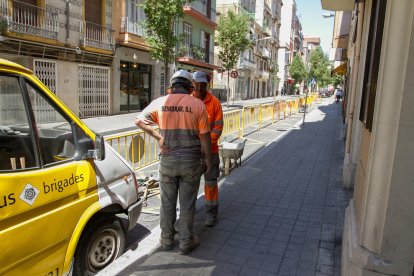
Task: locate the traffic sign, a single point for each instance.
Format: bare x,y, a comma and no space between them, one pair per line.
234,74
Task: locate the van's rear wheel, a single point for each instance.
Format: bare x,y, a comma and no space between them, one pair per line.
101,244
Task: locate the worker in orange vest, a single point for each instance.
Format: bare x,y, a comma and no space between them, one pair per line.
184,141
215,119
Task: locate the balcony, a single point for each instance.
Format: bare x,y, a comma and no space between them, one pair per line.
27,19
266,53
97,36
262,74
132,27
196,55
247,64
200,11
196,52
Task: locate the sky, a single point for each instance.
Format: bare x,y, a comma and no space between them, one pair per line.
313,23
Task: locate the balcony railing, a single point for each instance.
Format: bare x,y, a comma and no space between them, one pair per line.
201,6
196,52
97,36
132,27
28,19
266,53
247,64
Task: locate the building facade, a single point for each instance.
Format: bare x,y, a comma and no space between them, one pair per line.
68,44
138,79
254,78
289,43
378,226
196,52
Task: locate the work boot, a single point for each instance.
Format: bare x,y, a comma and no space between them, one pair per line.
210,221
166,244
186,246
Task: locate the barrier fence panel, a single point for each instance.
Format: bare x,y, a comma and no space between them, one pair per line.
250,116
137,147
277,108
232,123
267,114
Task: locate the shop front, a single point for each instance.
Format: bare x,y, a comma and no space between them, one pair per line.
135,86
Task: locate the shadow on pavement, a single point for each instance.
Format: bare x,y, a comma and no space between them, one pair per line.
281,213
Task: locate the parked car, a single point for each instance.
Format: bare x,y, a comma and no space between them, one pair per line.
325,93
61,185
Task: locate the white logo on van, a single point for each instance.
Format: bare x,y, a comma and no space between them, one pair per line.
29,194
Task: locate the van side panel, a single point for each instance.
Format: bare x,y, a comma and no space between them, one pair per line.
92,210
39,212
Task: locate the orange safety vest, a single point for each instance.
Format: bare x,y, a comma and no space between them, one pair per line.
215,119
181,119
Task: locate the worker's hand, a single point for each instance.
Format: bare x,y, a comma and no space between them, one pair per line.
208,164
163,148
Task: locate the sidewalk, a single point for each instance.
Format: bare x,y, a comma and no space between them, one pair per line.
281,213
125,122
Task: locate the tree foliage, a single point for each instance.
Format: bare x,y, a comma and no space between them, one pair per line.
232,38
336,79
297,69
159,26
274,70
320,67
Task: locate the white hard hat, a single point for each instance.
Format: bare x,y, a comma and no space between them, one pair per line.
182,76
201,76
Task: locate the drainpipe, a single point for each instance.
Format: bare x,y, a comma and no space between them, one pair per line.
67,22
355,71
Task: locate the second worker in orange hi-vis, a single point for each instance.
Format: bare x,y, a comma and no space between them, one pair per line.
215,119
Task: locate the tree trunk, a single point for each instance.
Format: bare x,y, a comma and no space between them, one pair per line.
166,77
228,87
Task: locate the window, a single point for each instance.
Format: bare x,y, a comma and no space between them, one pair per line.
135,16
372,62
93,11
17,149
188,30
57,141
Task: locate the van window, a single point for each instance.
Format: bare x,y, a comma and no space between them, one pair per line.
55,132
17,149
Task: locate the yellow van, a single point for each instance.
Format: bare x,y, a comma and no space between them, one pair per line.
62,188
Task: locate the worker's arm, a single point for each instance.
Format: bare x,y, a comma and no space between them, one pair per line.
153,133
217,126
206,149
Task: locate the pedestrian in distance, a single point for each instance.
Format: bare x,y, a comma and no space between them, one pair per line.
339,93
185,154
215,120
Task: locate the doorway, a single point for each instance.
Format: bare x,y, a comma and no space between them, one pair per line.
135,86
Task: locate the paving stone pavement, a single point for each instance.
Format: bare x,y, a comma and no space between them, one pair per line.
281,213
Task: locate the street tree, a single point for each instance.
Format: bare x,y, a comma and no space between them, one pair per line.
160,16
297,69
336,79
232,39
319,67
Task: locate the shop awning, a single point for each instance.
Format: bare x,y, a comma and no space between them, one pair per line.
338,5
341,69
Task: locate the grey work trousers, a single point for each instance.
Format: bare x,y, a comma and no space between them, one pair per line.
179,174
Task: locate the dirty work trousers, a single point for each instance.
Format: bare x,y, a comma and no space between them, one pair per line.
211,188
179,175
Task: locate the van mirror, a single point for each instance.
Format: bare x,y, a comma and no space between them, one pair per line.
89,150
100,147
